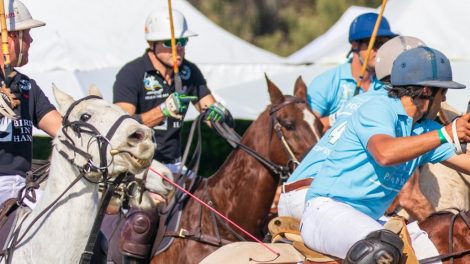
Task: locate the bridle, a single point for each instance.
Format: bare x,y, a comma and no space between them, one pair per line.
292,162
451,254
79,127
234,139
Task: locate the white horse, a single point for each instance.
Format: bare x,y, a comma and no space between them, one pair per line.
61,234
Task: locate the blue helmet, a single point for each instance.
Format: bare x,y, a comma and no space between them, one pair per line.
363,25
423,66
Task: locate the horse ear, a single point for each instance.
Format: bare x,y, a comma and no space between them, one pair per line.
300,89
93,90
63,100
274,93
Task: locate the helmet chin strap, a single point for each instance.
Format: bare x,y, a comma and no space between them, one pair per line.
20,53
431,101
168,66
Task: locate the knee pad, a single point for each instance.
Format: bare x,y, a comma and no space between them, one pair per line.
381,246
138,234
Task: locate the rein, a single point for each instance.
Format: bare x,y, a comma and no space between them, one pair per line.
234,139
103,141
450,255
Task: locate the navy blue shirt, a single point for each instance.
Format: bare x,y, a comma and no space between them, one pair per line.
140,84
16,136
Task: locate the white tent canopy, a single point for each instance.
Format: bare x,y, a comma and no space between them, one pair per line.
86,42
442,25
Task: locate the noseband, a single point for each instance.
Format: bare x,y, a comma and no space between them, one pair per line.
80,127
293,162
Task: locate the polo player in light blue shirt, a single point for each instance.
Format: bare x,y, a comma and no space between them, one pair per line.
292,203
329,92
378,150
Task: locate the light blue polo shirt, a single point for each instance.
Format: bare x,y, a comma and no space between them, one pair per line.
351,175
311,163
330,91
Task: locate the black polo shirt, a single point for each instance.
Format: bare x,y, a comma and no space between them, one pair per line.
16,136
139,84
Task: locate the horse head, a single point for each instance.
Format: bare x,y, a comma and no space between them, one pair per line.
98,136
295,128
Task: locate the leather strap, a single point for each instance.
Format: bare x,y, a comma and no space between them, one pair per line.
304,183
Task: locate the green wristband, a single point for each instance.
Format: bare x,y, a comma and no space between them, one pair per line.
441,137
165,110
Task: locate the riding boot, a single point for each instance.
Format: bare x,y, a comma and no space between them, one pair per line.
137,236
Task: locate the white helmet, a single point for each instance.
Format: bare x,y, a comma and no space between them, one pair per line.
157,26
18,17
390,50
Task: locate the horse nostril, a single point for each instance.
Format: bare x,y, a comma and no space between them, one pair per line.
138,135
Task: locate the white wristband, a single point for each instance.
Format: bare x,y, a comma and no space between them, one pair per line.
332,119
444,132
458,148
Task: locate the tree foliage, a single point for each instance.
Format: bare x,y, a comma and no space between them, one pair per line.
280,26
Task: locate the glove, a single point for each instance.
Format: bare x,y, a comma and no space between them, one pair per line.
176,104
8,102
218,113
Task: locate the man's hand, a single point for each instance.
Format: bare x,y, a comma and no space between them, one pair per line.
176,104
8,102
218,113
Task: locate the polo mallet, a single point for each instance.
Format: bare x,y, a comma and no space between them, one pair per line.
5,108
177,79
369,48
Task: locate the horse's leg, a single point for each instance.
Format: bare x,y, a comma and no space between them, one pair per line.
413,200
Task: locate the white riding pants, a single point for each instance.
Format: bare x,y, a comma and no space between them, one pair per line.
332,227
292,203
10,185
175,168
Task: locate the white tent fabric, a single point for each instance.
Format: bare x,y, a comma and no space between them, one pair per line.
86,42
442,25
332,42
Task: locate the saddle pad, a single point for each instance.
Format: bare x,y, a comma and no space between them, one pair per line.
168,223
252,252
314,256
397,225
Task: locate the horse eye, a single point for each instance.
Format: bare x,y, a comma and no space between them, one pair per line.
288,125
85,117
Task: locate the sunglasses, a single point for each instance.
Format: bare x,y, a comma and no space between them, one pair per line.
377,43
181,42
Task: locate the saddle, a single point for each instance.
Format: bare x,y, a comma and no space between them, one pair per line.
287,229
7,215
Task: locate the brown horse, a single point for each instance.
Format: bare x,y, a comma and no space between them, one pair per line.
243,188
440,225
